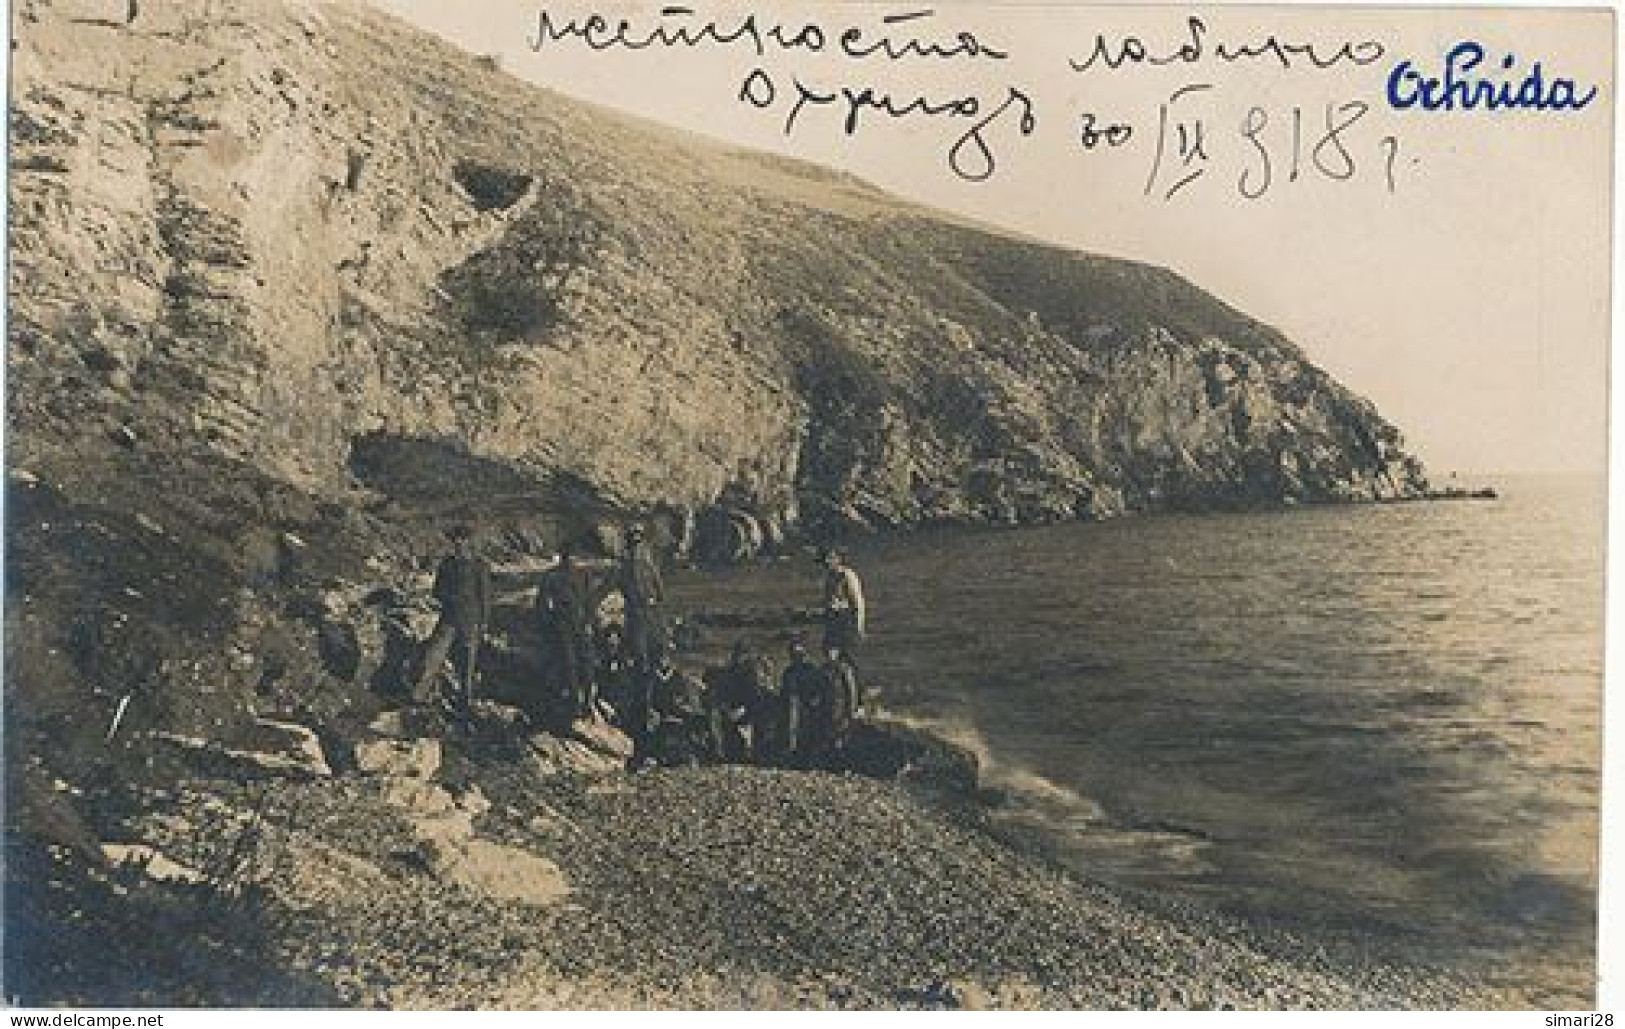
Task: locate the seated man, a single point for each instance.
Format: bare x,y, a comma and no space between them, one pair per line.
741,693
676,726
617,685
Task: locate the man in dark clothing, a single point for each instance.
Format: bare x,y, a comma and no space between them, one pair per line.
644,593
769,740
616,683
743,699
462,585
565,623
677,730
812,722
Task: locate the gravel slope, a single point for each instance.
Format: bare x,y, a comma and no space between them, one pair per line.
746,888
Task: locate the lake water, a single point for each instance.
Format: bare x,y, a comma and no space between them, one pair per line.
1374,718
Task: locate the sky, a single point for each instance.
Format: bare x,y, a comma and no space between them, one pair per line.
1450,265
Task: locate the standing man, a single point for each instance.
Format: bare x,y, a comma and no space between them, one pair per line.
644,593
462,585
807,693
566,635
845,614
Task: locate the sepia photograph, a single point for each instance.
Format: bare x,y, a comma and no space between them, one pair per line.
598,505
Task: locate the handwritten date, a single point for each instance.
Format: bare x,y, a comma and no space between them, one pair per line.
1262,151
1331,154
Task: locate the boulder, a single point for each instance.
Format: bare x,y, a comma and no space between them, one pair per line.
551,755
296,747
725,535
406,723
269,749
150,862
407,759
602,738
965,995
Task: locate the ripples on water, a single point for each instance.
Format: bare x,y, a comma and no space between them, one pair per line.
1375,717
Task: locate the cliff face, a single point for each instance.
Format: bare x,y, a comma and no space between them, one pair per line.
314,241
291,285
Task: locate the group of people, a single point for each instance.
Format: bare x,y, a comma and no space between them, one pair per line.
742,711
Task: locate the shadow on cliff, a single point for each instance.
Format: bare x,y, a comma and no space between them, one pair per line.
440,481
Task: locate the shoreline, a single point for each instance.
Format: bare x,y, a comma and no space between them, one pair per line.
1333,839
351,852
496,882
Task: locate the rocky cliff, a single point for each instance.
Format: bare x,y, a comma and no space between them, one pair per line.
293,284
312,242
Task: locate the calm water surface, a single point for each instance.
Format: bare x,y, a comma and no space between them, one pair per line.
1375,718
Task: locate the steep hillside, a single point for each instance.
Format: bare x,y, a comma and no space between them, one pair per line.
293,285
313,240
